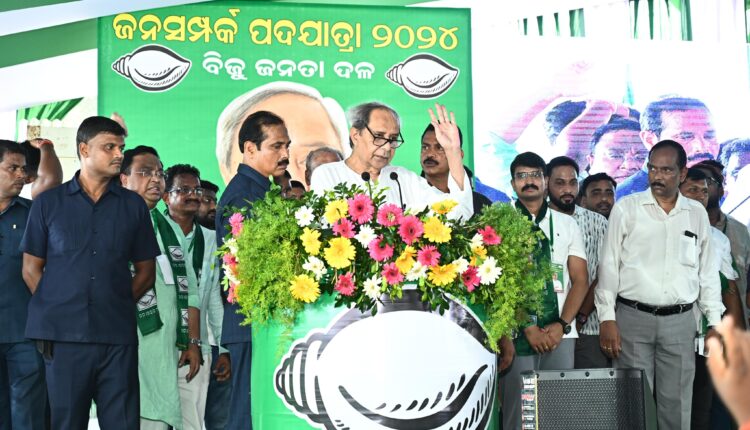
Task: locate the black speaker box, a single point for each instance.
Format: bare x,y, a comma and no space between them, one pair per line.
596,399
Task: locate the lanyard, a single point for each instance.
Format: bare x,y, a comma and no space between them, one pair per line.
551,231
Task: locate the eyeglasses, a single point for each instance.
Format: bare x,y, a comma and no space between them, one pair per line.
159,174
536,174
187,191
382,140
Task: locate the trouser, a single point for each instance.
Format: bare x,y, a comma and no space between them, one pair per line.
217,401
588,354
78,373
559,359
664,346
23,397
193,394
239,404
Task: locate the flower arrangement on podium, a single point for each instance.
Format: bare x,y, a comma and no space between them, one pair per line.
350,243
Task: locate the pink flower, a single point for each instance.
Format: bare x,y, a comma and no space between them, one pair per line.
229,259
390,215
361,208
470,278
235,221
428,256
379,249
232,293
391,274
411,229
344,228
345,284
489,237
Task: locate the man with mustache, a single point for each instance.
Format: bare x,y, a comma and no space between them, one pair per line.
374,135
686,121
695,186
22,371
598,193
80,240
206,215
657,263
617,150
435,166
548,340
562,176
264,143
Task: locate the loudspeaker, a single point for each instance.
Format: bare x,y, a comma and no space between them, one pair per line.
587,399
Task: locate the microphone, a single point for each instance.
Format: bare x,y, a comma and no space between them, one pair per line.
394,177
366,177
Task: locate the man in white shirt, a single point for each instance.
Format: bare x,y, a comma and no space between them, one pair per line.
562,176
548,341
374,135
657,261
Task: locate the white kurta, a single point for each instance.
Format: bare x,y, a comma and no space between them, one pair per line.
417,193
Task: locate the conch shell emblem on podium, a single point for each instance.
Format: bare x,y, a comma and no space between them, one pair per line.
423,76
404,368
152,68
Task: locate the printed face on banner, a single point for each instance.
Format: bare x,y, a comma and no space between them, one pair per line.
321,378
201,69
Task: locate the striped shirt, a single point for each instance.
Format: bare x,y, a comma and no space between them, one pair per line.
593,228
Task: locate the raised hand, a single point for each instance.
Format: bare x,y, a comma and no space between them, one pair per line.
446,130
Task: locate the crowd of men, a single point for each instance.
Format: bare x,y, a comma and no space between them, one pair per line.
109,298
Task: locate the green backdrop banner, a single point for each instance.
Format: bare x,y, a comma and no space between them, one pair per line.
185,77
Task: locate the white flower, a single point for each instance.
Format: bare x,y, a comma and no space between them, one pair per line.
489,272
417,272
229,274
316,266
365,236
477,241
371,287
231,244
304,216
461,264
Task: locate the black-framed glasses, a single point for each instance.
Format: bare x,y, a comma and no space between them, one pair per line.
187,191
536,174
382,140
146,173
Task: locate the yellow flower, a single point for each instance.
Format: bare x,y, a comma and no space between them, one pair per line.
444,206
442,275
405,261
435,231
305,289
335,210
339,253
479,253
310,241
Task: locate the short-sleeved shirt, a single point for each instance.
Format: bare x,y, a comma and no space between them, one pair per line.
85,293
245,187
14,295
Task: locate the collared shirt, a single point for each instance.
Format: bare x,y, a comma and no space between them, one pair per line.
85,293
14,295
416,192
566,243
658,259
245,187
739,239
594,228
634,184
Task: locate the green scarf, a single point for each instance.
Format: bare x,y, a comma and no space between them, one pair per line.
150,320
543,252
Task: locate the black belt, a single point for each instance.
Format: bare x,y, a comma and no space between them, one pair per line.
656,310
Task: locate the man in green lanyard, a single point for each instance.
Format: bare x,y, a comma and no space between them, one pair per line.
167,315
548,340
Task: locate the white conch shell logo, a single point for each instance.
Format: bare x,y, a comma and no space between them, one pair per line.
423,76
152,67
405,368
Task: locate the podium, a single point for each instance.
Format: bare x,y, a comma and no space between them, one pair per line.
405,367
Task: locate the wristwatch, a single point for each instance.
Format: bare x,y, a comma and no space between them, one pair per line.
195,341
565,325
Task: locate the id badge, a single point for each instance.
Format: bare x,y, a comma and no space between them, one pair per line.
558,278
